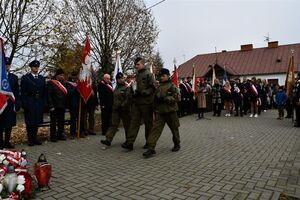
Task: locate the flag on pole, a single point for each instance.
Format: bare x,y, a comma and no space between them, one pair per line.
213,75
290,78
194,86
118,68
225,78
5,89
84,85
175,77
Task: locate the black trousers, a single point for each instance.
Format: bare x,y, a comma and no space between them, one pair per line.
217,107
246,104
7,132
289,108
238,104
297,121
32,133
57,123
73,120
106,117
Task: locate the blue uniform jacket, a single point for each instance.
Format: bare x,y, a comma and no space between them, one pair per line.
33,97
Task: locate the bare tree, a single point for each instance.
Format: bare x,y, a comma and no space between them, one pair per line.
110,24
29,27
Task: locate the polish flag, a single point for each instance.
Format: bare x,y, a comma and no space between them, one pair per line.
175,77
84,85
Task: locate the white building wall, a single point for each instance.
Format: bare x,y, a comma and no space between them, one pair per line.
281,77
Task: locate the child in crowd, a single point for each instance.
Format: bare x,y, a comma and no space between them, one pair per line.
280,100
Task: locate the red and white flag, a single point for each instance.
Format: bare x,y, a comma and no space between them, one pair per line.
84,85
194,83
175,77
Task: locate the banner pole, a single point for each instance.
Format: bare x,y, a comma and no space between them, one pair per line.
79,119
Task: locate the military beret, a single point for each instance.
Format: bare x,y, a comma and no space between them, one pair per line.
138,59
164,71
119,75
7,61
59,72
34,63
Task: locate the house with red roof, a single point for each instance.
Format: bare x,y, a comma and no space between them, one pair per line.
270,63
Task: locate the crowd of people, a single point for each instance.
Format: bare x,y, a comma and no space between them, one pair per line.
140,98
135,100
246,98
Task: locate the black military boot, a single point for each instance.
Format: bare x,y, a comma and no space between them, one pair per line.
106,142
175,148
127,146
149,153
145,146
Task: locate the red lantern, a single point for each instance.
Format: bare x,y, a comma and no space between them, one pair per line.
42,171
28,184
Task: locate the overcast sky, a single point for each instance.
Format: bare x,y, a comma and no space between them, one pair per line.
192,27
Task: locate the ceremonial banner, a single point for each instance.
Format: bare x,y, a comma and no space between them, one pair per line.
5,90
84,84
290,78
175,77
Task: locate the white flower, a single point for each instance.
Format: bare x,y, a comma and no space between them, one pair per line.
21,180
5,162
20,188
1,187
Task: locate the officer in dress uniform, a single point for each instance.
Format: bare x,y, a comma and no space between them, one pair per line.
8,117
296,100
142,100
57,101
121,108
33,97
165,105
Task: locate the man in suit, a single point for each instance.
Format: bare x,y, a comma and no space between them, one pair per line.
106,102
57,100
8,117
33,97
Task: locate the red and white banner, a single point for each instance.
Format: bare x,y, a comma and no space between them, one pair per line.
175,77
84,85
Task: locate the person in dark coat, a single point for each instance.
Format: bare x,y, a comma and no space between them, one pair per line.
73,102
237,97
106,102
33,97
217,98
185,92
8,117
296,100
57,100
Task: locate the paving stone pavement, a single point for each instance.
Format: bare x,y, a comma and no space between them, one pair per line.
221,158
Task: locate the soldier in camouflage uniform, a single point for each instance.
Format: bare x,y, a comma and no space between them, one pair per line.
165,106
142,103
121,108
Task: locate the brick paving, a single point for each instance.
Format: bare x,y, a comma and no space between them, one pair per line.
221,158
